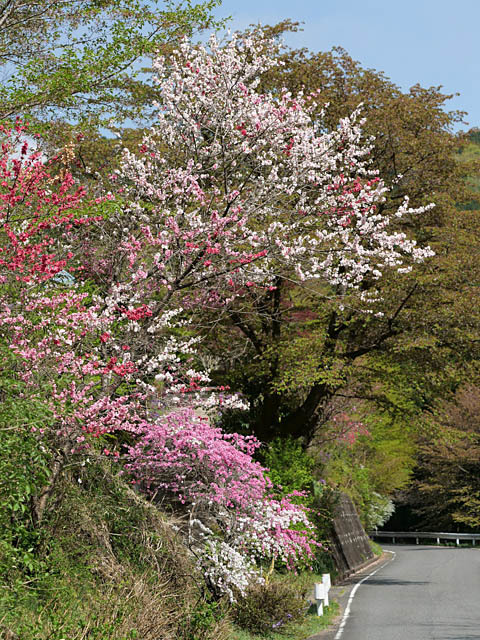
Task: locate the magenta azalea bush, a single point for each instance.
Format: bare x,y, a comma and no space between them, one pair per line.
234,523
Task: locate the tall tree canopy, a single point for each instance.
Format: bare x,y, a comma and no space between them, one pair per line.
82,60
294,349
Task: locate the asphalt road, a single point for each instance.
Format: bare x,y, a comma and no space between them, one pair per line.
425,593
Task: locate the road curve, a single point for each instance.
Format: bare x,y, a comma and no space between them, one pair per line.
425,593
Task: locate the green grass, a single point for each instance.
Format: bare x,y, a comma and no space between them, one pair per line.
376,548
310,626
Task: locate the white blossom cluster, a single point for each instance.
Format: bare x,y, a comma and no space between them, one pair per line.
230,173
380,509
229,570
231,561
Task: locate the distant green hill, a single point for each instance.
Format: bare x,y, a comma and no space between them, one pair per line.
469,153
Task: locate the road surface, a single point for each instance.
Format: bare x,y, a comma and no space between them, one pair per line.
425,593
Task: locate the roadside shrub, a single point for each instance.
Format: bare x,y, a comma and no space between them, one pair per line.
379,510
270,606
215,476
204,621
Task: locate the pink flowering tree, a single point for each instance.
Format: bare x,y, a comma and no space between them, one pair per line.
73,357
68,356
234,192
49,334
230,190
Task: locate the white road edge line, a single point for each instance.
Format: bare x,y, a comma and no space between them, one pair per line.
341,628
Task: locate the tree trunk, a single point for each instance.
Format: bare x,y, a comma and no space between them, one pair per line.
39,503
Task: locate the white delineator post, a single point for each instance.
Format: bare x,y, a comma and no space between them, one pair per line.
321,593
319,597
327,583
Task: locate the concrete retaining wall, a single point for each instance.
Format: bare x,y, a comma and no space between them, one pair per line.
349,544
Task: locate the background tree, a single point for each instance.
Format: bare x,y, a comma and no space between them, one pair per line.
293,350
81,60
445,493
77,68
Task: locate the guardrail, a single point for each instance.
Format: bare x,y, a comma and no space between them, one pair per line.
321,592
427,535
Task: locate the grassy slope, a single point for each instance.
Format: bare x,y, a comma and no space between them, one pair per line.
111,567
309,627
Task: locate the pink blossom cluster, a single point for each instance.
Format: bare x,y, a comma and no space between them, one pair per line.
224,489
185,440
32,203
348,430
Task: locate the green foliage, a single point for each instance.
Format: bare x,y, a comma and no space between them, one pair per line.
290,467
446,488
374,466
271,606
85,60
474,136
199,620
24,470
469,157
376,548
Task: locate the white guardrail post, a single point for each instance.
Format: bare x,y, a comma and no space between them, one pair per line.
321,592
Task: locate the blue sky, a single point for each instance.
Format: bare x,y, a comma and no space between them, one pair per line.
431,42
